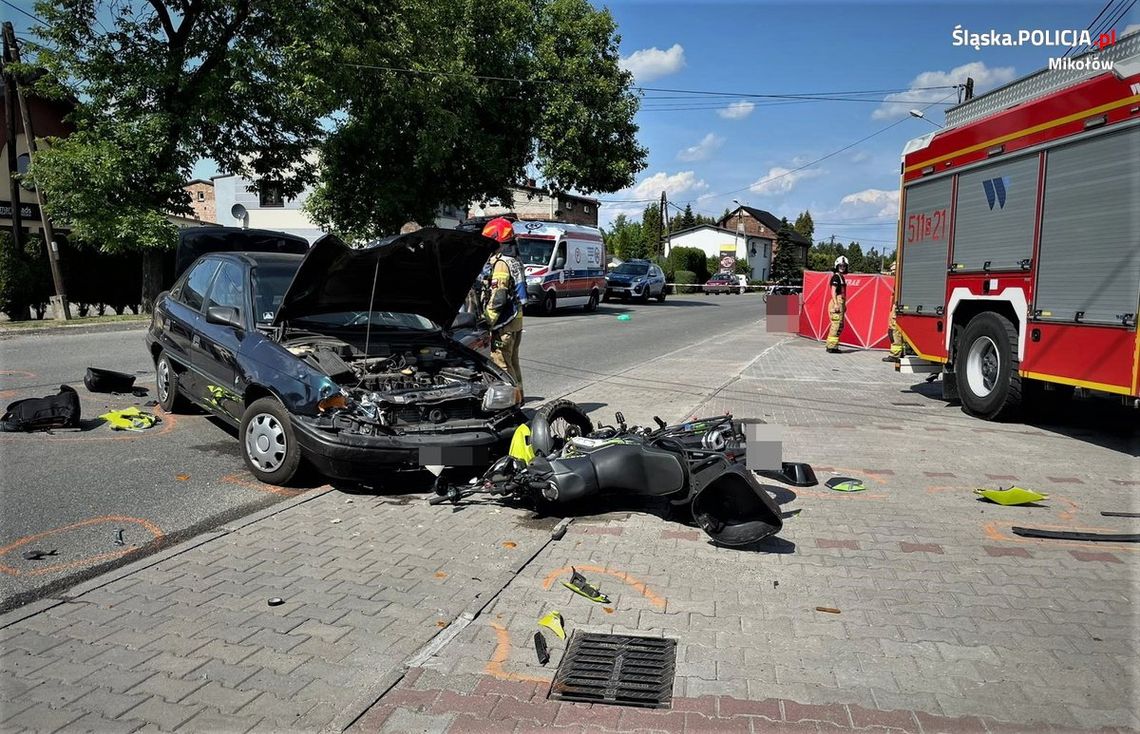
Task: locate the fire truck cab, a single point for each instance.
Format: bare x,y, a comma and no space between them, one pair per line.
1019,242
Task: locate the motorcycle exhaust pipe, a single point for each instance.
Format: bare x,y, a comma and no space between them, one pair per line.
733,509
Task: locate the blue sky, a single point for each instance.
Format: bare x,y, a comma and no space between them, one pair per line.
803,47
810,47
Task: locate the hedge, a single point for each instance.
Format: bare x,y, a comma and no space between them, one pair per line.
686,282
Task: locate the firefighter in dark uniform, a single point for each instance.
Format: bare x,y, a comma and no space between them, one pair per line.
838,305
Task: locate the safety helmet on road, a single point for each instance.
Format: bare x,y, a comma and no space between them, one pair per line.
840,261
500,230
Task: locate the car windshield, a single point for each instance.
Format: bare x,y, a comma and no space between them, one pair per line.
631,269
270,281
535,252
360,319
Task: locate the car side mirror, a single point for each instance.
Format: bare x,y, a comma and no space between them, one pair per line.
560,263
465,320
225,316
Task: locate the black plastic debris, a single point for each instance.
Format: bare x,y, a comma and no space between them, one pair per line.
99,380
119,537
43,414
795,473
616,669
1120,514
540,649
1074,535
38,555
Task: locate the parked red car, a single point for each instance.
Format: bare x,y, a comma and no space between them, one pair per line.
722,283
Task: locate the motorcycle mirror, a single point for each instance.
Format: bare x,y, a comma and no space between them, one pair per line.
660,423
620,419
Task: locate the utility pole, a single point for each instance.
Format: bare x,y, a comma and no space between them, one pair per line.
10,137
59,300
664,224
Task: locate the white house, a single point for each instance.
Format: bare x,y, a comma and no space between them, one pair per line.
717,242
240,202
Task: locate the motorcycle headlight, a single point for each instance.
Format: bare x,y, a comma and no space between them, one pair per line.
500,396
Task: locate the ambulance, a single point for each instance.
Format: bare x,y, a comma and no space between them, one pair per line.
565,265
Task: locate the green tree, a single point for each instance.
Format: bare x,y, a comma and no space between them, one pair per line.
449,101
167,83
855,260
787,264
805,226
626,239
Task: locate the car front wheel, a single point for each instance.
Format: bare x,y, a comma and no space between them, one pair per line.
268,442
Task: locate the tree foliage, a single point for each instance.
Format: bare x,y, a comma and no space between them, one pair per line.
787,265
167,83
626,239
822,257
805,226
448,101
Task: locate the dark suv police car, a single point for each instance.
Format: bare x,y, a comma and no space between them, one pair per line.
639,279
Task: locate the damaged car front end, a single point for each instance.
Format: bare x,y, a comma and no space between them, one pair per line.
340,357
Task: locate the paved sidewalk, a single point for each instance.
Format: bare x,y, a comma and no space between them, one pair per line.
402,617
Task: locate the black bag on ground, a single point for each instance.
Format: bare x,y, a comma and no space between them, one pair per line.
40,414
98,380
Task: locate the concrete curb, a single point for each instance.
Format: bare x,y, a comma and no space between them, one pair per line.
42,605
77,328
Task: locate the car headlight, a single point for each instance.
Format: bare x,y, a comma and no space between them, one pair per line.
534,281
500,396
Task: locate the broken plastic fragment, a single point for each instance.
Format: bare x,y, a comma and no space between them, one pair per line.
1011,496
846,484
275,601
38,555
829,610
540,648
553,622
623,317
580,586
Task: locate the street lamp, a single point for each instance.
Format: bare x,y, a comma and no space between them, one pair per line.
740,228
921,116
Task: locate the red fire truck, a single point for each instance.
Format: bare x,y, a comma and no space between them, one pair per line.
1019,238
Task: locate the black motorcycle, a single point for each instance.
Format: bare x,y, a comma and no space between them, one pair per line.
697,466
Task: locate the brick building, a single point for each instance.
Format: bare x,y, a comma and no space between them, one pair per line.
531,202
764,225
201,194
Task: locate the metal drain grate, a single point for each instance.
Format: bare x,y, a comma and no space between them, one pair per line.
616,669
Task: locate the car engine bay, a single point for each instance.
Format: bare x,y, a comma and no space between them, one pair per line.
400,386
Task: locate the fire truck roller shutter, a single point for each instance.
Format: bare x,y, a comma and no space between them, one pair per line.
1090,230
993,220
925,239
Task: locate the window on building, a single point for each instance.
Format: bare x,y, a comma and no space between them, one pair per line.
22,162
767,249
201,196
586,208
269,195
569,206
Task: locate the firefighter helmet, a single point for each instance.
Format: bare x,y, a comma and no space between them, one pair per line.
500,230
840,261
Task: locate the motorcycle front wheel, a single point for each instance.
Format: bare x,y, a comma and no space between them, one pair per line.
566,419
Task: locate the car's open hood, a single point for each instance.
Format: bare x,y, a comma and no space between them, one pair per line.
428,272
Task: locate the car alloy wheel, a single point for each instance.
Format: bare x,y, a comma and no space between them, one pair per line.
162,380
265,442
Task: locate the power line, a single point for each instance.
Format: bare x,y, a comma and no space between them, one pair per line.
18,9
1070,49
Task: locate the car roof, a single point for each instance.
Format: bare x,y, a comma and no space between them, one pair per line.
253,259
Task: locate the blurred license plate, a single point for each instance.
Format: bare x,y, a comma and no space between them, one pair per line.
454,455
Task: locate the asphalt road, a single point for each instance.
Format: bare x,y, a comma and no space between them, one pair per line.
70,493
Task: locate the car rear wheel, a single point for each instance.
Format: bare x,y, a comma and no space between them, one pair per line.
268,442
661,295
166,385
592,304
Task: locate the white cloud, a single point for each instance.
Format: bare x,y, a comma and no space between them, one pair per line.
653,63
780,180
874,202
1131,29
736,110
916,97
677,183
709,144
860,157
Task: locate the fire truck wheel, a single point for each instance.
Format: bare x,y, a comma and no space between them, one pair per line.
986,368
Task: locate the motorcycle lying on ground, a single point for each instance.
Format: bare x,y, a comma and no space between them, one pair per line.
697,466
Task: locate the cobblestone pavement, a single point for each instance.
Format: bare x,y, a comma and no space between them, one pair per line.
407,618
